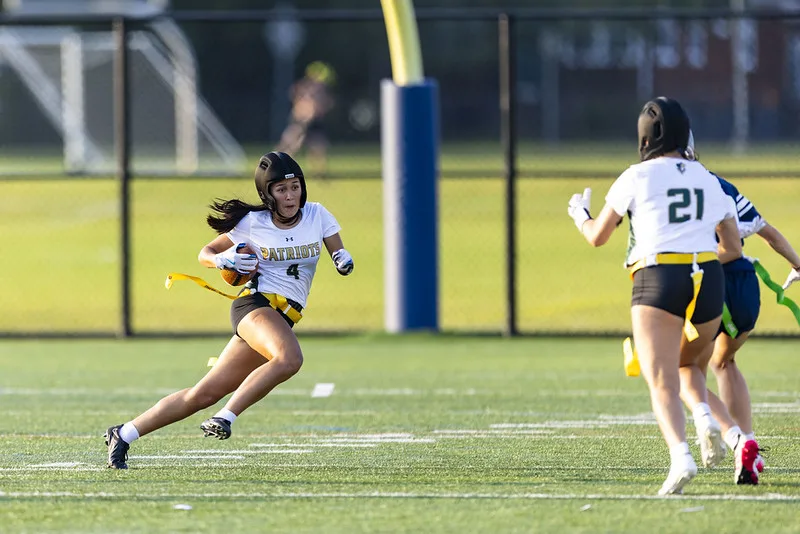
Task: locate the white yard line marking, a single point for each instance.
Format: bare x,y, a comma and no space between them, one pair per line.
179,457
437,434
523,435
226,454
333,412
489,433
588,424
369,436
378,440
465,467
787,394
311,445
32,468
323,389
388,392
768,497
776,407
59,464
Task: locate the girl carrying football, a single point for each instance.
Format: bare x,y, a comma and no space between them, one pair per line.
287,233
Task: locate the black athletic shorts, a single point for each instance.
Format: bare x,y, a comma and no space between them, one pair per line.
670,288
244,305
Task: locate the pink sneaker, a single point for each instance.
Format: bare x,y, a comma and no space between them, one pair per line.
746,457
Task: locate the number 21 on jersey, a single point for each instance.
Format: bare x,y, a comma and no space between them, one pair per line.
681,209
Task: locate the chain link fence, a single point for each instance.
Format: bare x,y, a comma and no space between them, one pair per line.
580,81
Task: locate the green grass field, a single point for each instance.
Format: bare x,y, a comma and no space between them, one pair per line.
65,236
421,434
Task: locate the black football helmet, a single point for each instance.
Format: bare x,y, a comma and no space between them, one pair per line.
663,127
274,167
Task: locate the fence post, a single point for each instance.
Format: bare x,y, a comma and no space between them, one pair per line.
739,82
122,148
508,139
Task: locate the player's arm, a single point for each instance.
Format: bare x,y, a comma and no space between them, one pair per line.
598,231
220,253
730,245
595,231
781,245
618,202
341,258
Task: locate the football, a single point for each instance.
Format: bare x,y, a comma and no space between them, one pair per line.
234,278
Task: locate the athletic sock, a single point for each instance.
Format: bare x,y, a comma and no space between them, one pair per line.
128,433
732,437
226,414
701,414
750,436
678,453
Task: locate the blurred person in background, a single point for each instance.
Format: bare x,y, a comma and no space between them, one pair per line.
311,101
743,302
287,234
676,210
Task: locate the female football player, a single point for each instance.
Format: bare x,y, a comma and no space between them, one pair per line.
287,234
676,208
743,300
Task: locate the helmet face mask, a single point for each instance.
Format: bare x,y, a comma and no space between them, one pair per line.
663,127
275,167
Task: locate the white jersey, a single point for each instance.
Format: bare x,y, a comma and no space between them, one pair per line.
674,205
287,259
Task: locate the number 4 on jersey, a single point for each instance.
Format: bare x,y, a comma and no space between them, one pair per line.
292,271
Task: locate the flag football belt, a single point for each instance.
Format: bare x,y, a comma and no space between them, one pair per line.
631,358
727,320
674,258
277,302
779,291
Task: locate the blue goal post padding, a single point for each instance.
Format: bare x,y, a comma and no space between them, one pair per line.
410,154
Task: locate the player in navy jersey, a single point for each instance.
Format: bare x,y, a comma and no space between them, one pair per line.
288,236
743,301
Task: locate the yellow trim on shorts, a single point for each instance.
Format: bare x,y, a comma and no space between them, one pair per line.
674,258
278,303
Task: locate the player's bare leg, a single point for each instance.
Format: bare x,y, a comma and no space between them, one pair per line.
266,331
292,138
235,363
657,335
694,361
733,391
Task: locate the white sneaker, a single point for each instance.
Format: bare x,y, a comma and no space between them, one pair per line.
712,447
679,476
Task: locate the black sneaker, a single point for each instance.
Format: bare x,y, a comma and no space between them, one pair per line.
217,427
117,448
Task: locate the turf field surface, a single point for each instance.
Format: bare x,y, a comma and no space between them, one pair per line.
433,434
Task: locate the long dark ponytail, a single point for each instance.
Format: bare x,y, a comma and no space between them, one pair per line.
229,213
